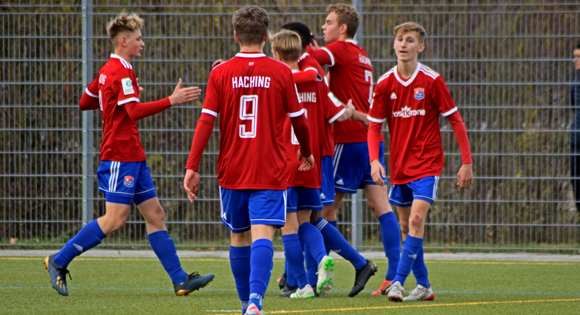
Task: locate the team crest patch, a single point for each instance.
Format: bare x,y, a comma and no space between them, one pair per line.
129,181
419,93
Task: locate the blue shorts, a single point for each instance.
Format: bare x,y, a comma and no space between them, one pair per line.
327,189
424,189
303,198
124,182
241,208
352,168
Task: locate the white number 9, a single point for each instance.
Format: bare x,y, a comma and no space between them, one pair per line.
252,116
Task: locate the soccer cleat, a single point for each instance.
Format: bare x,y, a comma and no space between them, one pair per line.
282,281
383,289
304,293
193,282
287,291
396,292
362,277
57,275
420,293
253,310
325,269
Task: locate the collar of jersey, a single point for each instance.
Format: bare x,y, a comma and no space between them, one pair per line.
119,57
406,83
250,55
351,41
303,56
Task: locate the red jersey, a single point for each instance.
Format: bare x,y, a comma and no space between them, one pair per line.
254,95
351,77
320,111
116,86
411,109
307,63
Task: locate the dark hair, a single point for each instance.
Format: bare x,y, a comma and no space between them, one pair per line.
578,46
251,24
302,29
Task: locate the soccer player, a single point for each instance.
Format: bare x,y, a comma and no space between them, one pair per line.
410,97
253,95
123,174
351,77
304,187
311,72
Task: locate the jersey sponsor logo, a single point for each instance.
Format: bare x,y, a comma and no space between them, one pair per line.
102,79
419,93
129,181
307,97
393,96
340,182
251,82
364,60
127,86
407,112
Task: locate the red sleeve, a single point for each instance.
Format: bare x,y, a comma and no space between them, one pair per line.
126,87
290,100
302,134
374,137
461,136
138,110
379,105
306,76
442,98
202,133
322,55
90,98
333,108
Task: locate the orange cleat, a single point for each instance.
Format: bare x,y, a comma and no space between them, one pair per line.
382,290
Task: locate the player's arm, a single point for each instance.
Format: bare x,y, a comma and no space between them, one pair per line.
335,110
296,113
308,75
202,134
90,98
323,55
180,95
448,109
377,116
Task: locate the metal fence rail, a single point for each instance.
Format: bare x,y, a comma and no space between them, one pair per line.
508,67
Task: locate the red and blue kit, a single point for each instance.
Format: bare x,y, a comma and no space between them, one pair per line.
411,108
253,96
123,173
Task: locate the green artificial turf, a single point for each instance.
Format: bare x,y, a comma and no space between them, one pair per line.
141,286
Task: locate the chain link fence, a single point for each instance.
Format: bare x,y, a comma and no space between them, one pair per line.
507,65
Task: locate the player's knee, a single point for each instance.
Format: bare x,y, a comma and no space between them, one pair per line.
404,227
159,215
416,220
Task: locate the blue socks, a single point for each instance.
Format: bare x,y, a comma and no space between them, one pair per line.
240,263
311,267
391,235
261,263
88,237
334,223
314,239
164,248
420,270
294,259
411,249
336,242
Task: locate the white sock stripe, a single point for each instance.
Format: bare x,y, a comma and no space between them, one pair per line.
321,225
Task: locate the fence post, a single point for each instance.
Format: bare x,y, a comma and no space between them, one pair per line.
87,57
356,202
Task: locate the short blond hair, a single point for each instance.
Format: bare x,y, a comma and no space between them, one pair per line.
287,44
124,23
345,14
411,27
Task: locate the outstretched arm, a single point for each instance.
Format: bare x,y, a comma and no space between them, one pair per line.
202,133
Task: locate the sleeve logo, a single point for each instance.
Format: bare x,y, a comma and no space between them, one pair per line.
127,86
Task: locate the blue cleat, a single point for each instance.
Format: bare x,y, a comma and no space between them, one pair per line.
193,282
57,275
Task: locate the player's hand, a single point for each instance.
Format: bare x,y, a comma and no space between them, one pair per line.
217,63
465,176
140,88
308,163
350,109
378,172
183,95
314,45
190,184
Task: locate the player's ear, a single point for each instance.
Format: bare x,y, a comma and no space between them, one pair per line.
265,39
421,47
236,37
343,28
